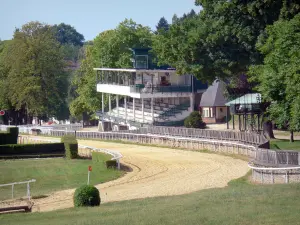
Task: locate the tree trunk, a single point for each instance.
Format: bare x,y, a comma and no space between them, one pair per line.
291,136
268,129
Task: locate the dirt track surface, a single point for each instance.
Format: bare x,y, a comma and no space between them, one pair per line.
155,172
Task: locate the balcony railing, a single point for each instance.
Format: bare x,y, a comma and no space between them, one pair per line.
140,88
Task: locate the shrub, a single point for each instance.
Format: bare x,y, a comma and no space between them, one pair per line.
10,137
71,146
111,164
87,195
194,120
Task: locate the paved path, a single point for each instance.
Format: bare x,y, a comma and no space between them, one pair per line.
156,172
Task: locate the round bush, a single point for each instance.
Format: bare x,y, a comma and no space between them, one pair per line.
87,195
194,120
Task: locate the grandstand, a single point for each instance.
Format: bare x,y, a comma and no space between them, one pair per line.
146,94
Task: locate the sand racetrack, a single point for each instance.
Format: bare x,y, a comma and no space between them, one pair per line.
155,172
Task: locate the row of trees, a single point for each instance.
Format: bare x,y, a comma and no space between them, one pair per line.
225,40
230,38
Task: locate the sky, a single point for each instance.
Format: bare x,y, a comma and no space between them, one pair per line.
89,17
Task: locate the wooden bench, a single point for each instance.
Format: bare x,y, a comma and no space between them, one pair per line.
20,208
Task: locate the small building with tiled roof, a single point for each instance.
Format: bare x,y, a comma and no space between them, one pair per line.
212,105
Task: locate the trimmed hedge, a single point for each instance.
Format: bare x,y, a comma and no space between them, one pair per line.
71,146
87,195
21,149
9,137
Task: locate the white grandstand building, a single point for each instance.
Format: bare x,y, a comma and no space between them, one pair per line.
144,95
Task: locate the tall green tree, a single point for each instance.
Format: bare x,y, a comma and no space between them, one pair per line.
175,19
162,25
220,40
35,75
87,99
4,98
279,75
66,34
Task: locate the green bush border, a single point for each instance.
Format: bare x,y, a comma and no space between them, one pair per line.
9,137
71,146
32,149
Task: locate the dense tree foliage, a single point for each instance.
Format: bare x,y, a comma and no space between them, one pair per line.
279,75
32,72
66,34
162,25
87,99
223,41
4,101
220,40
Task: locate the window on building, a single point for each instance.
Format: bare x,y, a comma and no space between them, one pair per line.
205,112
208,112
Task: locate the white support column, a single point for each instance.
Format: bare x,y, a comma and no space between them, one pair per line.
133,106
143,112
117,104
109,102
125,103
192,102
102,102
152,110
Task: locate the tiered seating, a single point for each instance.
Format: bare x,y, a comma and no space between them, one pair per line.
138,115
162,112
178,109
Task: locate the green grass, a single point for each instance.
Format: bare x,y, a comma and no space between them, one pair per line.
239,203
285,133
53,174
281,144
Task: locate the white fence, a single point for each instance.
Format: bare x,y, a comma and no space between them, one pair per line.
115,155
272,157
16,183
271,175
27,129
262,156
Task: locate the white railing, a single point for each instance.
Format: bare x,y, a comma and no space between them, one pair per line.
22,182
274,168
272,172
27,129
116,155
254,141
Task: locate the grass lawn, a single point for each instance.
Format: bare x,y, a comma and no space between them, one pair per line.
284,133
280,144
239,203
52,174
